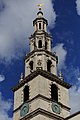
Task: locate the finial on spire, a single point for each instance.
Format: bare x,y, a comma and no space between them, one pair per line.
60,75
40,6
21,77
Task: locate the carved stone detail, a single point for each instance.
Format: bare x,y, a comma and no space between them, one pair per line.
39,62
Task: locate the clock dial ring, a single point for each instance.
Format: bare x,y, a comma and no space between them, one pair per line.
56,108
24,109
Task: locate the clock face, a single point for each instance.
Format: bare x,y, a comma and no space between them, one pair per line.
56,108
24,109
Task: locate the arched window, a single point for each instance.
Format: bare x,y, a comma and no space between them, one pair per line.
39,25
34,44
36,27
54,92
49,65
43,26
40,44
45,45
31,65
26,93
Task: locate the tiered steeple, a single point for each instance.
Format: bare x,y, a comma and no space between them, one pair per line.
40,39
40,56
41,94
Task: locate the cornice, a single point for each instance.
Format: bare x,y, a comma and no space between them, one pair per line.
39,96
43,73
42,112
40,33
40,18
41,50
73,115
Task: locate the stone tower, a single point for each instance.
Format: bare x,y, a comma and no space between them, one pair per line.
41,94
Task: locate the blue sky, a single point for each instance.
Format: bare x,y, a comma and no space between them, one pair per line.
16,18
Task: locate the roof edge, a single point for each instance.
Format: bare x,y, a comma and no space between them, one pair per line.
74,114
45,74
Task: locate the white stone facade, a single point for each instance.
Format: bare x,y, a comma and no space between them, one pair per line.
42,86
41,59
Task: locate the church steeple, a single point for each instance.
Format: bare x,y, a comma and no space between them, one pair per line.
41,94
40,56
40,23
40,39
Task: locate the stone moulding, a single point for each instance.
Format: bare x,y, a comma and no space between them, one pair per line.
43,73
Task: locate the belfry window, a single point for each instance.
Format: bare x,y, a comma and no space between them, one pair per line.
45,45
31,65
43,26
40,44
34,44
26,93
36,26
49,65
54,92
40,26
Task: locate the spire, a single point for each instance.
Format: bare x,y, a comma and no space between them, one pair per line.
40,23
40,6
40,13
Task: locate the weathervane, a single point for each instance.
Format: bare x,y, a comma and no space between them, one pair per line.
40,5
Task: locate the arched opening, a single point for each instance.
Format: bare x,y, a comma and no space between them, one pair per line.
40,44
54,92
34,45
43,26
40,26
49,65
36,27
26,93
31,65
45,45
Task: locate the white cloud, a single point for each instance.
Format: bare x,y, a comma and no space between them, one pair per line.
61,53
2,78
72,75
78,6
79,79
77,73
5,107
75,99
16,18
